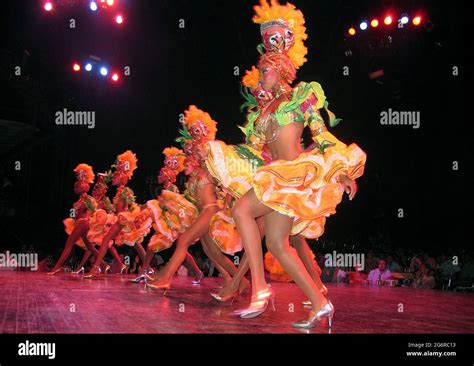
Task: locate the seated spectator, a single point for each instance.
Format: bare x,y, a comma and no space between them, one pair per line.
380,274
423,278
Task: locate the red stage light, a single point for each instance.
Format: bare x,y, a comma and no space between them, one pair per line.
374,23
48,6
388,20
119,19
115,76
351,31
76,67
417,20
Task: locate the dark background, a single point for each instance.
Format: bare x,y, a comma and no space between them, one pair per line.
172,68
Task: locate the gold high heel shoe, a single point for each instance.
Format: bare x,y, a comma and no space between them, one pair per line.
314,318
79,271
165,287
231,297
123,268
324,292
52,273
94,272
258,304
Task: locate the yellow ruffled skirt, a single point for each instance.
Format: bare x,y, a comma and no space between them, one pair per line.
99,224
172,214
306,188
233,166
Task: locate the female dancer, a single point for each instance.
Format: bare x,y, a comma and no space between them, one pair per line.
199,128
297,188
78,226
233,166
133,222
175,214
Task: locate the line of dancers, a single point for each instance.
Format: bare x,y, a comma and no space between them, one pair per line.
268,187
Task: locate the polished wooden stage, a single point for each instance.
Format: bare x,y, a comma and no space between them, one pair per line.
37,303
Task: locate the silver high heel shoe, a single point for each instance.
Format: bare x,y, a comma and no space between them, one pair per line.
314,318
258,305
80,271
198,279
144,277
107,269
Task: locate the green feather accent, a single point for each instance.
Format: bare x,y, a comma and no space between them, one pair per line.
250,100
244,152
89,205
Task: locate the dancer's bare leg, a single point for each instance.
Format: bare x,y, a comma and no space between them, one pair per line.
245,211
217,260
278,244
84,260
82,226
307,257
104,246
191,264
197,230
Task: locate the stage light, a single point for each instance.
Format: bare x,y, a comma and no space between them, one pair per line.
76,67
417,20
48,6
363,25
351,31
119,19
104,71
93,5
115,77
88,66
404,19
110,2
388,20
374,23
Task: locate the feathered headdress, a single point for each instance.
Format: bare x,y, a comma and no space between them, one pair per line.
199,124
127,163
84,172
173,154
282,29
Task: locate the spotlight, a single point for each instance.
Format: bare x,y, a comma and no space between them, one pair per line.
417,20
93,5
88,66
388,20
115,77
404,19
104,71
48,6
76,67
363,25
374,23
119,19
351,31
110,2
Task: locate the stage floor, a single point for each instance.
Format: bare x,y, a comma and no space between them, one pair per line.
37,303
